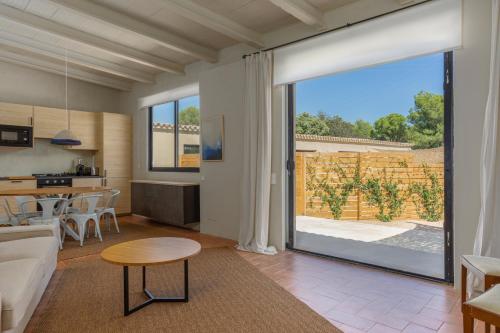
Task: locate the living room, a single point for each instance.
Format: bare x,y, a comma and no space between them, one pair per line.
165,134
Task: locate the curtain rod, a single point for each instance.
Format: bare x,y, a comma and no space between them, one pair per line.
348,25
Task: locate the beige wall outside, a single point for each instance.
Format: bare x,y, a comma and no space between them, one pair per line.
163,143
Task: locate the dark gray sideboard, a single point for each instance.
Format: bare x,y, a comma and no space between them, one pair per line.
173,203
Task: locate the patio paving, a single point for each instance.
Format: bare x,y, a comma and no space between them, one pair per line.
405,246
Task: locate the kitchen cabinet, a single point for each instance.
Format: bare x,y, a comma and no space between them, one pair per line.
47,122
123,205
85,126
114,157
87,182
16,114
15,184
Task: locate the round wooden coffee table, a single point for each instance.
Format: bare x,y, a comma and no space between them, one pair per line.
148,252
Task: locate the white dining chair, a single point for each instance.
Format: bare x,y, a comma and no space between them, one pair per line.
52,209
83,217
17,218
108,210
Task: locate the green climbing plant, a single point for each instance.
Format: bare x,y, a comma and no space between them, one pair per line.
385,194
428,197
333,193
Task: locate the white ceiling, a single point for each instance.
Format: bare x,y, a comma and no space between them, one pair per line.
118,42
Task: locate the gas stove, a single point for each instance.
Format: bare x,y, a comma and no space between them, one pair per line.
54,179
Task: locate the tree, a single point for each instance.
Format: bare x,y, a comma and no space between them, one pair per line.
189,116
427,120
362,129
310,124
337,126
392,127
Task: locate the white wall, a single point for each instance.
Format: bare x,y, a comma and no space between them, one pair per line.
23,85
44,157
165,82
470,95
28,86
471,80
221,93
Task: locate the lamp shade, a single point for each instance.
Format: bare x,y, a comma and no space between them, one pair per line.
65,138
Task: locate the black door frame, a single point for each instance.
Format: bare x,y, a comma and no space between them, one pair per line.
448,178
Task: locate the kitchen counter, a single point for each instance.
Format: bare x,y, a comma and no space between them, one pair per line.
164,182
18,178
86,176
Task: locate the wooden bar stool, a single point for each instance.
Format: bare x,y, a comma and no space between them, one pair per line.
485,307
485,268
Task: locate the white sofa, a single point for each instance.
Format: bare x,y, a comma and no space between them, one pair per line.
28,258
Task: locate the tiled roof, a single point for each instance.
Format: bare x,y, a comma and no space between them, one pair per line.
357,141
184,128
302,137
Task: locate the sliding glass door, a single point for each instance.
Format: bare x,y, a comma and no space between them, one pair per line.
370,166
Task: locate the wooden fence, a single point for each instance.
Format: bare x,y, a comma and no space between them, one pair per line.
190,160
400,166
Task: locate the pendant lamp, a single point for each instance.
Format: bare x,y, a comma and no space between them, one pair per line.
66,137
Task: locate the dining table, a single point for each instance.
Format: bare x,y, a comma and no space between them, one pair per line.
54,190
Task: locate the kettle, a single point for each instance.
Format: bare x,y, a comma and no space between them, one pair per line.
80,168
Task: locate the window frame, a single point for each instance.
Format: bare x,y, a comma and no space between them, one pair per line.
176,167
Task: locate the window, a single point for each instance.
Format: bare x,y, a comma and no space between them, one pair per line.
174,135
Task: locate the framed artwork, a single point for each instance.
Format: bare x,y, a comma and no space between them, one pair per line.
212,139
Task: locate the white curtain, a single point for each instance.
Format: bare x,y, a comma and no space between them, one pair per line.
488,231
256,177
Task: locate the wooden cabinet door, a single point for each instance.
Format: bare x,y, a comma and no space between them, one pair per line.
15,185
115,156
87,182
47,122
85,126
116,150
123,205
16,114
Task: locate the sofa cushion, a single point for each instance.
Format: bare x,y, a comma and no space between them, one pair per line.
19,280
44,248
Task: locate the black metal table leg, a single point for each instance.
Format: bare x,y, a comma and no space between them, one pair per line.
151,298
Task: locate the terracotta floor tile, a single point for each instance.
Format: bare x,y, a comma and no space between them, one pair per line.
449,328
413,328
386,320
353,304
350,319
382,329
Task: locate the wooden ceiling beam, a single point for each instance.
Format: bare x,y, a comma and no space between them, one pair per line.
302,10
159,36
46,66
214,21
37,47
121,51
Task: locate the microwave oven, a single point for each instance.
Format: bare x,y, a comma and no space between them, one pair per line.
16,136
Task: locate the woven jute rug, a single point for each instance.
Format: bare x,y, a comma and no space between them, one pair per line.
227,294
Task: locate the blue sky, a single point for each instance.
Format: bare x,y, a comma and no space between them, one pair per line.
164,113
371,92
